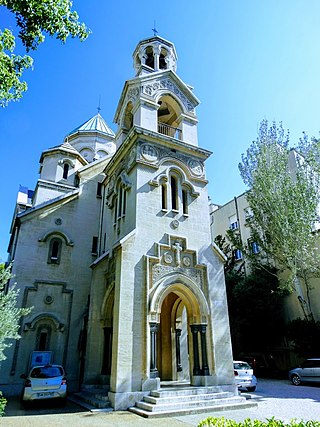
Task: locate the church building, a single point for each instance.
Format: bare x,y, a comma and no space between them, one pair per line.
113,249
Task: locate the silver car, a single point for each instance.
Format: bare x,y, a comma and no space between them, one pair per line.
243,374
309,371
45,382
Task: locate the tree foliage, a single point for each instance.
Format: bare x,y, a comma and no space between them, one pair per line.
9,313
305,337
254,303
34,19
284,190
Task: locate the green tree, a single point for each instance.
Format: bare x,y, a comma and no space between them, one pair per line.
254,301
34,19
284,190
9,313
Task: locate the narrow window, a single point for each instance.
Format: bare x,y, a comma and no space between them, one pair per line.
115,210
120,203
99,189
54,251
254,247
124,203
43,340
162,62
237,254
174,193
150,57
233,222
185,202
94,248
164,197
65,170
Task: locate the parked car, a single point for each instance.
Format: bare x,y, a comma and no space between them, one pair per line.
309,371
45,382
244,377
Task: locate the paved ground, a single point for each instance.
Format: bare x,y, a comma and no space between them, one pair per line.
276,398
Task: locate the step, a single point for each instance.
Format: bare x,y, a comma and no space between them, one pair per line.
75,398
182,391
94,399
178,398
197,410
187,404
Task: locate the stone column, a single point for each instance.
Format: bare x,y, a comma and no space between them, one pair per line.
205,367
178,355
196,366
153,353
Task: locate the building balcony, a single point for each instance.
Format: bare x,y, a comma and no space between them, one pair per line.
169,131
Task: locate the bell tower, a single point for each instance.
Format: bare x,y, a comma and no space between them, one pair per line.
157,99
160,278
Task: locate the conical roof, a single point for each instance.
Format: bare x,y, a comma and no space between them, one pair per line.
95,124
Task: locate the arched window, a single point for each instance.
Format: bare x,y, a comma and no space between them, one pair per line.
43,337
149,57
162,60
184,201
174,193
54,251
168,113
128,117
120,203
65,170
164,204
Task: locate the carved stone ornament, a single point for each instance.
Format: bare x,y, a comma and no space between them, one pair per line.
58,221
175,223
174,257
196,167
131,158
152,87
149,153
186,261
167,258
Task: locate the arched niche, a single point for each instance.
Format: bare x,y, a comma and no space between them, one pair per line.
168,114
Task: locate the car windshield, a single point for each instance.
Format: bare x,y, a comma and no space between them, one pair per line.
241,365
46,372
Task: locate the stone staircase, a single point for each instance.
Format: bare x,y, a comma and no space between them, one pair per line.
187,400
93,398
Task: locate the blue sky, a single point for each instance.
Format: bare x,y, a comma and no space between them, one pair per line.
247,60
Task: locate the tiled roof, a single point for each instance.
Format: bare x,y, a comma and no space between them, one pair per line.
95,124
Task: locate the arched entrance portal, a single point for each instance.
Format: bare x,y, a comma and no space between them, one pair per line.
178,337
172,340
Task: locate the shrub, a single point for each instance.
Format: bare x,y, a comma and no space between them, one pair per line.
272,422
3,403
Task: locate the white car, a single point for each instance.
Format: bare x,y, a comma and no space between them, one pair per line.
45,382
243,374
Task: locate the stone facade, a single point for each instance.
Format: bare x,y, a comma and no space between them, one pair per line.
115,252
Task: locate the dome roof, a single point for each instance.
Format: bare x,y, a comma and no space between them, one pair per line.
95,124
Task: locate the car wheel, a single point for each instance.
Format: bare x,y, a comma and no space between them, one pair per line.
251,388
295,379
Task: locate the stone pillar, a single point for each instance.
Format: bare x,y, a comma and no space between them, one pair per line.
196,365
178,355
205,367
153,353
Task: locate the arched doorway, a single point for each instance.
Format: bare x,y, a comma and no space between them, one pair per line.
178,337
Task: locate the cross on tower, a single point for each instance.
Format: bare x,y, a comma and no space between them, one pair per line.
99,108
155,32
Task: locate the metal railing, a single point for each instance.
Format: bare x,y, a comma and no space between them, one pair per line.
169,130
